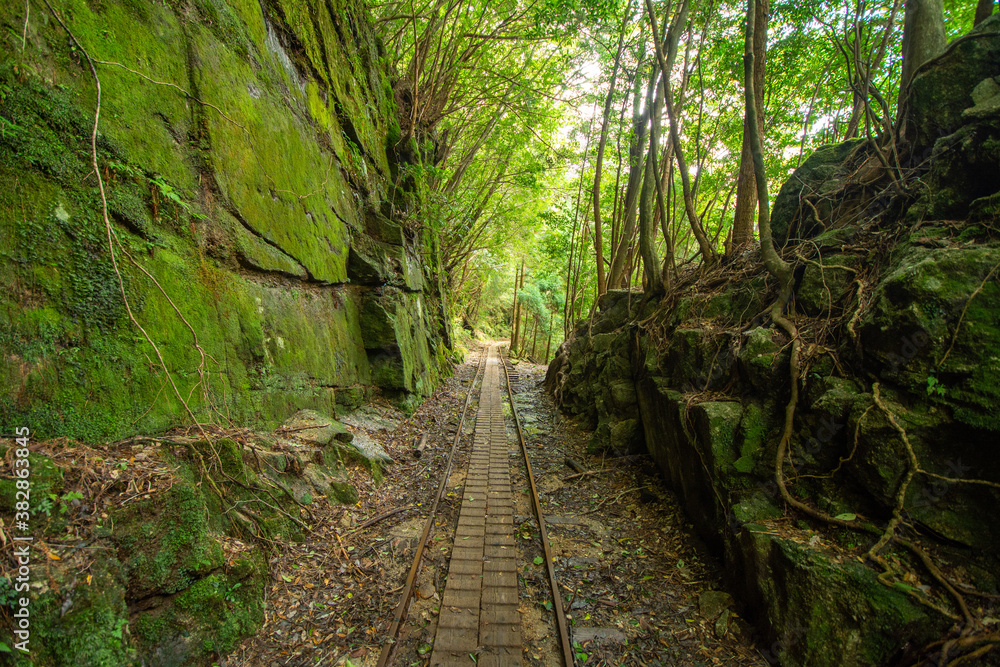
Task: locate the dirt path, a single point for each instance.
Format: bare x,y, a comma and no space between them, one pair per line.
638,588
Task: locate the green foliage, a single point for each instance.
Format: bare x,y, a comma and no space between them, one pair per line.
8,596
934,387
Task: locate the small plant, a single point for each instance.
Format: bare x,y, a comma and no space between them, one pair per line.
167,192
44,506
8,596
58,503
934,387
581,656
231,594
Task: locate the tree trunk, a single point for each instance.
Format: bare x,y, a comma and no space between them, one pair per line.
776,266
671,40
514,327
984,10
647,229
923,38
534,338
548,345
579,266
746,189
605,126
636,151
524,338
576,217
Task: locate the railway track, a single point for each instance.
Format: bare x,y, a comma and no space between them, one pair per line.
480,618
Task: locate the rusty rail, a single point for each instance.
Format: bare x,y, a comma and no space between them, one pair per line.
557,604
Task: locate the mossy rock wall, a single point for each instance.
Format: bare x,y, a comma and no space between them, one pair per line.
708,405
246,157
709,377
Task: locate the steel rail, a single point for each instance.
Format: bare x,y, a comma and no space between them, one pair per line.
543,533
389,649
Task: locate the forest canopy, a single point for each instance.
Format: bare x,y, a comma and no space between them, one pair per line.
558,162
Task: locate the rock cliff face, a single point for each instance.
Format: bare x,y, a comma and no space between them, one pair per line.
249,154
247,151
898,303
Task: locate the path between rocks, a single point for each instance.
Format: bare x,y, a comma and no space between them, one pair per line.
638,587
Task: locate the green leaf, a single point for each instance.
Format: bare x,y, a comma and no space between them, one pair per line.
846,516
539,560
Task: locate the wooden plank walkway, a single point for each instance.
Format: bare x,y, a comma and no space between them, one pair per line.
479,613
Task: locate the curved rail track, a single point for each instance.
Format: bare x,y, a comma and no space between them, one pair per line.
479,621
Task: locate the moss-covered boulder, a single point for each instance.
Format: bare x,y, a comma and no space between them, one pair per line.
85,622
205,620
941,91
165,543
822,173
825,284
932,321
761,362
825,610
317,428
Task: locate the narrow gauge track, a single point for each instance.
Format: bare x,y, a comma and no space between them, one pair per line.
479,618
389,649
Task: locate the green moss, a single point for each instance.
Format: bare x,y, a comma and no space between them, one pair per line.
753,430
165,542
224,23
92,630
915,321
827,612
246,176
345,493
267,353
207,619
46,486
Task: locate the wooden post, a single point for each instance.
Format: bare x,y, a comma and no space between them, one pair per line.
419,449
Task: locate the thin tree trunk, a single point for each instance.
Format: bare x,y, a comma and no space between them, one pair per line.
809,115
548,345
605,126
636,151
666,64
524,338
776,266
513,335
534,338
616,213
923,38
746,193
576,215
579,265
647,229
984,10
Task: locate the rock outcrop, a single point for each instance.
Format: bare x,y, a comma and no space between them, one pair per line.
248,154
261,227
898,302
